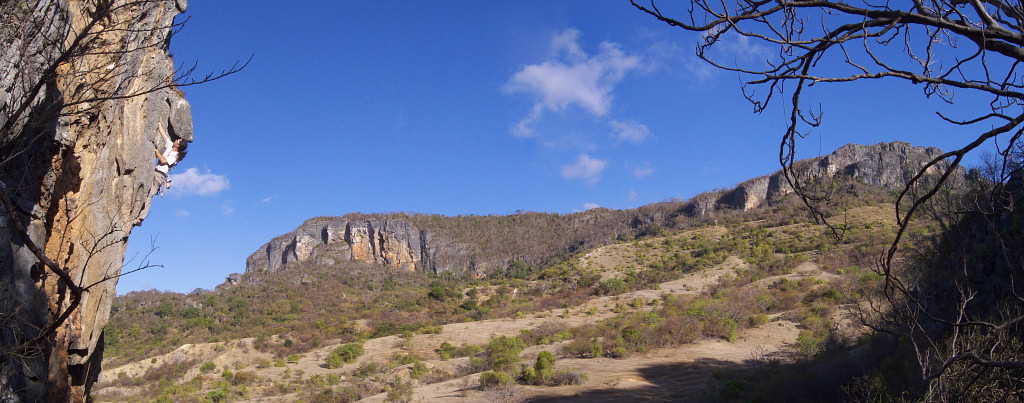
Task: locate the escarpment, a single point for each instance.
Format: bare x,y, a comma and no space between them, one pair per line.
886,165
86,84
390,242
483,244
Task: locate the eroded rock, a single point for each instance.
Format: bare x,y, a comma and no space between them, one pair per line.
79,167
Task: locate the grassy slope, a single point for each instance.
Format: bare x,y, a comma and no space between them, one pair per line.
315,308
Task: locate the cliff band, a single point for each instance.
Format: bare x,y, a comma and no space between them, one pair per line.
395,241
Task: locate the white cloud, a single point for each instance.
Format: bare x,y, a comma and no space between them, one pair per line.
228,207
642,171
633,196
585,168
268,198
588,206
571,77
629,130
738,47
195,183
670,56
181,213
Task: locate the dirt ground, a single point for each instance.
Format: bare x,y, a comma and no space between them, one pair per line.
683,373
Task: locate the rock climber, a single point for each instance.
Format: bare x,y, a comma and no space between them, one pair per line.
174,151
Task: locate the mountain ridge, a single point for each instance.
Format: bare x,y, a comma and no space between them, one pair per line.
417,242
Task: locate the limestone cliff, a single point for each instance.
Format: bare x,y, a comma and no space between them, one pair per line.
887,165
390,242
484,244
76,163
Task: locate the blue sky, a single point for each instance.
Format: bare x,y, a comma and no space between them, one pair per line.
464,107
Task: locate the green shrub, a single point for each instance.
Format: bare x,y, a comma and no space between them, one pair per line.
403,359
810,342
209,366
398,390
618,352
445,351
544,367
344,354
366,369
503,352
582,348
757,320
492,378
217,395
243,378
528,376
417,370
612,286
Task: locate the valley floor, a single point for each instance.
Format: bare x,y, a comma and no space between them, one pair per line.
683,373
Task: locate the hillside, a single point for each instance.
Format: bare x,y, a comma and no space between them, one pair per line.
482,245
705,299
696,285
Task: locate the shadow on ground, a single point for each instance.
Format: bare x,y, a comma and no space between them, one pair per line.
679,382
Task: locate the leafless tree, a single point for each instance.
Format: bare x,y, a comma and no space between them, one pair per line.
945,47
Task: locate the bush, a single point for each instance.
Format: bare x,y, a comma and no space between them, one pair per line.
366,369
447,351
810,342
492,378
612,286
757,320
503,352
582,348
243,378
217,395
344,354
398,390
403,359
544,367
209,366
618,352
568,378
417,370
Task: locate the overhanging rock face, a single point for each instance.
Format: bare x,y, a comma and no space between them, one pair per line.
78,167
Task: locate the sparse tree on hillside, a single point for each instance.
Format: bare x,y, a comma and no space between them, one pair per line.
945,47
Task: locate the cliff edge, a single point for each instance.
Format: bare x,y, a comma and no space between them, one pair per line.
417,242
86,83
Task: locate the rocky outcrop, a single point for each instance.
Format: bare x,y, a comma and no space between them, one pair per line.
393,241
887,165
76,162
390,242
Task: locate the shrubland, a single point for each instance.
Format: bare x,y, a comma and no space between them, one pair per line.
304,306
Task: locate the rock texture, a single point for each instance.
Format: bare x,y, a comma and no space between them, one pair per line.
389,242
888,165
78,166
437,247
